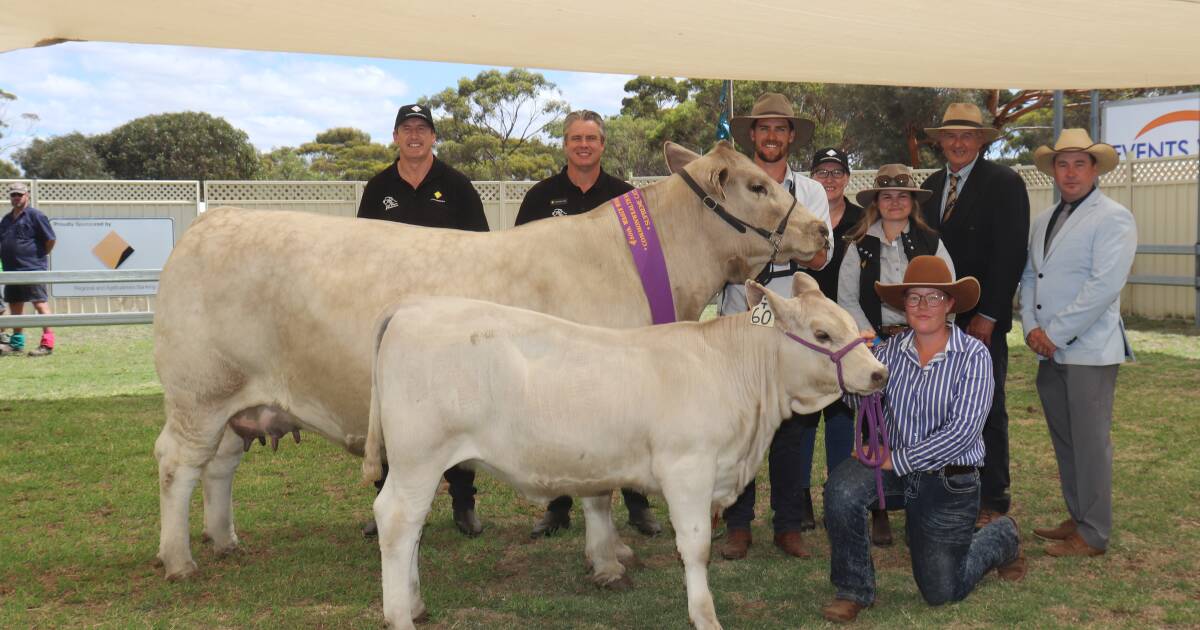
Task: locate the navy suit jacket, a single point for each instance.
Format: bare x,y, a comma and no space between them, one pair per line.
987,235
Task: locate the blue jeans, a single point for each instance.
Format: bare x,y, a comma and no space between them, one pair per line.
839,439
948,557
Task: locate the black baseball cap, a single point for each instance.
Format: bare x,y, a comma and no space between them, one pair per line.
830,154
414,111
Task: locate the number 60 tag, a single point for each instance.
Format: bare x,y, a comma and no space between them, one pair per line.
761,314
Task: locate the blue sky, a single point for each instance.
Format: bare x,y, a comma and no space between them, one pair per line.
279,99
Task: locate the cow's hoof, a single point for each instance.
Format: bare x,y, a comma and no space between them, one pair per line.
422,618
630,561
182,573
157,562
205,538
228,549
613,582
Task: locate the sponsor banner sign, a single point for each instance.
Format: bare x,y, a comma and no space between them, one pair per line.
1163,126
97,244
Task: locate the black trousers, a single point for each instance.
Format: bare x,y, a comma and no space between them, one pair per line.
462,486
994,478
634,501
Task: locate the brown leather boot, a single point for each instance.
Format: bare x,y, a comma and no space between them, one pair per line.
881,529
986,516
737,544
792,543
1014,571
1073,545
841,610
1060,532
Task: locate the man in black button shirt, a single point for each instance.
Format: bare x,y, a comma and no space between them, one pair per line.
581,186
420,189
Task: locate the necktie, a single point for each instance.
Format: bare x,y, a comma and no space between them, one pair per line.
1056,224
951,198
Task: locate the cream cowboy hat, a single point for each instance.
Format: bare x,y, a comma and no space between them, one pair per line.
931,272
772,105
892,177
964,117
1072,140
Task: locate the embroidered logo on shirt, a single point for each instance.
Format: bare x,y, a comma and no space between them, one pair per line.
558,202
389,203
558,212
437,196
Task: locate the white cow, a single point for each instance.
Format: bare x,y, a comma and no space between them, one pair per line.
554,407
264,319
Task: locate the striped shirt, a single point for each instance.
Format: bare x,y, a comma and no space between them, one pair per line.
935,413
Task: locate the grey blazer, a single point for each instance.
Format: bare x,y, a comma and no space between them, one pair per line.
1073,290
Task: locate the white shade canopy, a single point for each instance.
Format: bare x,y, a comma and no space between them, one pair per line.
966,44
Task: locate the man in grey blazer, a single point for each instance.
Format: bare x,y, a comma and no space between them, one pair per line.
1080,254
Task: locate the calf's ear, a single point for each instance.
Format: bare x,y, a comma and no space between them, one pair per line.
717,179
678,156
754,293
802,282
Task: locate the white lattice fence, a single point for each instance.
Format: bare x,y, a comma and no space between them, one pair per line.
333,198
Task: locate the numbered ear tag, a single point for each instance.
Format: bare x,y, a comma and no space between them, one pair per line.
761,314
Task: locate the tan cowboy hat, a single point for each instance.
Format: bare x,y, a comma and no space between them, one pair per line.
964,117
892,177
772,105
933,273
1072,140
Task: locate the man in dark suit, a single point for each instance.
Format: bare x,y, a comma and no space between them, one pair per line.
981,211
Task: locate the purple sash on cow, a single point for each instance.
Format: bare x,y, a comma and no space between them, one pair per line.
647,254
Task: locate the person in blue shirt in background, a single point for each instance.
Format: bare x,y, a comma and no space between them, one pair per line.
938,395
26,239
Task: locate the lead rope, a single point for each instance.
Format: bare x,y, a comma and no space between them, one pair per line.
872,454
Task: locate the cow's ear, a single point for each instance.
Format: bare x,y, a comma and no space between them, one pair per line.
754,293
802,282
717,179
678,156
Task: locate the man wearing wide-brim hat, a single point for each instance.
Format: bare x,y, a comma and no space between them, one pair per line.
773,131
937,397
981,211
1080,253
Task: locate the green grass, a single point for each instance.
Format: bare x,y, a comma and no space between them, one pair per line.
79,524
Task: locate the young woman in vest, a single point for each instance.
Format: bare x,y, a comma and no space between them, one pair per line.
890,233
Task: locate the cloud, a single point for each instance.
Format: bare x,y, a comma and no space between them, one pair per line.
276,98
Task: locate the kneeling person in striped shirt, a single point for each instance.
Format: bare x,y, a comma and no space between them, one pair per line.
938,395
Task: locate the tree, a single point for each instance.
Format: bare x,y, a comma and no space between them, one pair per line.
495,126
885,124
29,119
346,154
183,145
627,154
286,164
686,111
70,156
8,170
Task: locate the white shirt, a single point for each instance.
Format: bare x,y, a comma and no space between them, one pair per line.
892,264
811,195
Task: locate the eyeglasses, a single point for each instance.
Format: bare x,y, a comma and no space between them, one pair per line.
894,181
16,194
836,173
929,300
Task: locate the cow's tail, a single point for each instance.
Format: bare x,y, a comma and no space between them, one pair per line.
374,453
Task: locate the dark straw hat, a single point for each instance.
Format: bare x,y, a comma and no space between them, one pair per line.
933,273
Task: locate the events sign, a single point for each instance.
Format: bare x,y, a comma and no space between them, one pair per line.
97,244
1162,126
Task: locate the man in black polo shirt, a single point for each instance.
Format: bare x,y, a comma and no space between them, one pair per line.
420,189
579,187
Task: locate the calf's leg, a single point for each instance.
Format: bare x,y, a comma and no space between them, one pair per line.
400,511
218,493
603,548
688,488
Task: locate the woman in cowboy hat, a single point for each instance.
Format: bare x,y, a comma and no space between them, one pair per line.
890,233
938,394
